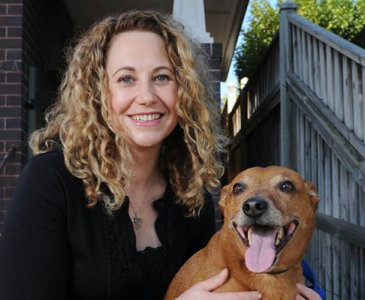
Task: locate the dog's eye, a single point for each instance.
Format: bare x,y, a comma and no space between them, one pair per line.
287,187
237,189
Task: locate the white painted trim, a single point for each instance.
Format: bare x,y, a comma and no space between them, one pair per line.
192,14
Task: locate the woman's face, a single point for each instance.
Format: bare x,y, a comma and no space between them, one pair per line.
142,87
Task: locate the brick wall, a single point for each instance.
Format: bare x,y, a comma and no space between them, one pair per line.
32,34
12,128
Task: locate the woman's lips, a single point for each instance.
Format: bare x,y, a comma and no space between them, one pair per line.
146,119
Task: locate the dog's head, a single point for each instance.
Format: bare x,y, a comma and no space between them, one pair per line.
271,212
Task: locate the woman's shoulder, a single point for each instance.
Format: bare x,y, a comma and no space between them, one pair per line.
54,157
49,164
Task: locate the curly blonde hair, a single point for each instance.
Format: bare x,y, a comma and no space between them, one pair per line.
79,121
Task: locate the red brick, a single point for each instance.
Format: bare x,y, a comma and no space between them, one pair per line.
10,66
9,192
12,169
14,134
10,89
13,123
10,43
14,100
11,21
15,77
4,204
15,10
14,32
13,54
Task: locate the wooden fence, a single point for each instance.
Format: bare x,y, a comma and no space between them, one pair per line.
310,117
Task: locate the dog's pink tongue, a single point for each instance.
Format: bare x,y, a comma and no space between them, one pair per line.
261,254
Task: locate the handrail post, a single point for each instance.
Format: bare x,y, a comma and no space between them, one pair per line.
286,124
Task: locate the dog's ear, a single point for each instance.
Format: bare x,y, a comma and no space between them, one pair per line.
222,199
313,195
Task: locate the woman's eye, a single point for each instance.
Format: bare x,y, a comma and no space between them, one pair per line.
126,79
162,78
237,189
287,187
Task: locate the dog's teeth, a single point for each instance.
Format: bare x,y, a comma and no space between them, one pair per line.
279,236
249,235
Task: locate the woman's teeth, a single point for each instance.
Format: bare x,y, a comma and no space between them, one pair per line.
146,118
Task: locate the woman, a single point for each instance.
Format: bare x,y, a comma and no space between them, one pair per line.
114,203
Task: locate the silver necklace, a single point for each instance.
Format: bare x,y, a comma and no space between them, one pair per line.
136,220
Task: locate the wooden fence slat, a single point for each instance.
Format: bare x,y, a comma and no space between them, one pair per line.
310,62
328,212
294,49
316,70
339,110
347,93
330,83
300,54
362,275
344,215
320,189
356,100
308,146
363,99
313,157
322,56
302,145
354,251
335,241
305,58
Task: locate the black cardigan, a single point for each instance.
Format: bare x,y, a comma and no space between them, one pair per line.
53,247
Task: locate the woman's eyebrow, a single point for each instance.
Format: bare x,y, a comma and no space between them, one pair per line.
162,68
128,68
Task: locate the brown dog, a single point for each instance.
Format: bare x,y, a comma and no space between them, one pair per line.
269,220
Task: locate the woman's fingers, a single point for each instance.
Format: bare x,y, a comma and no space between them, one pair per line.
307,293
214,282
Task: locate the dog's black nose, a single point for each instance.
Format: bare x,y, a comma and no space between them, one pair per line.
254,207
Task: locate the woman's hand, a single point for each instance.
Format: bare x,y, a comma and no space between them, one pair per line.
203,290
306,293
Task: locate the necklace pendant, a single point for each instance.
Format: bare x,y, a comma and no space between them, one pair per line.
137,222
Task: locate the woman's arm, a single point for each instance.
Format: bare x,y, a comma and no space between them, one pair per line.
33,245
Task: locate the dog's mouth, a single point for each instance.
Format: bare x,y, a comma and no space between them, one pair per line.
264,243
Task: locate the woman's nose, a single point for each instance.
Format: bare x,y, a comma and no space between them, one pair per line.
147,94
